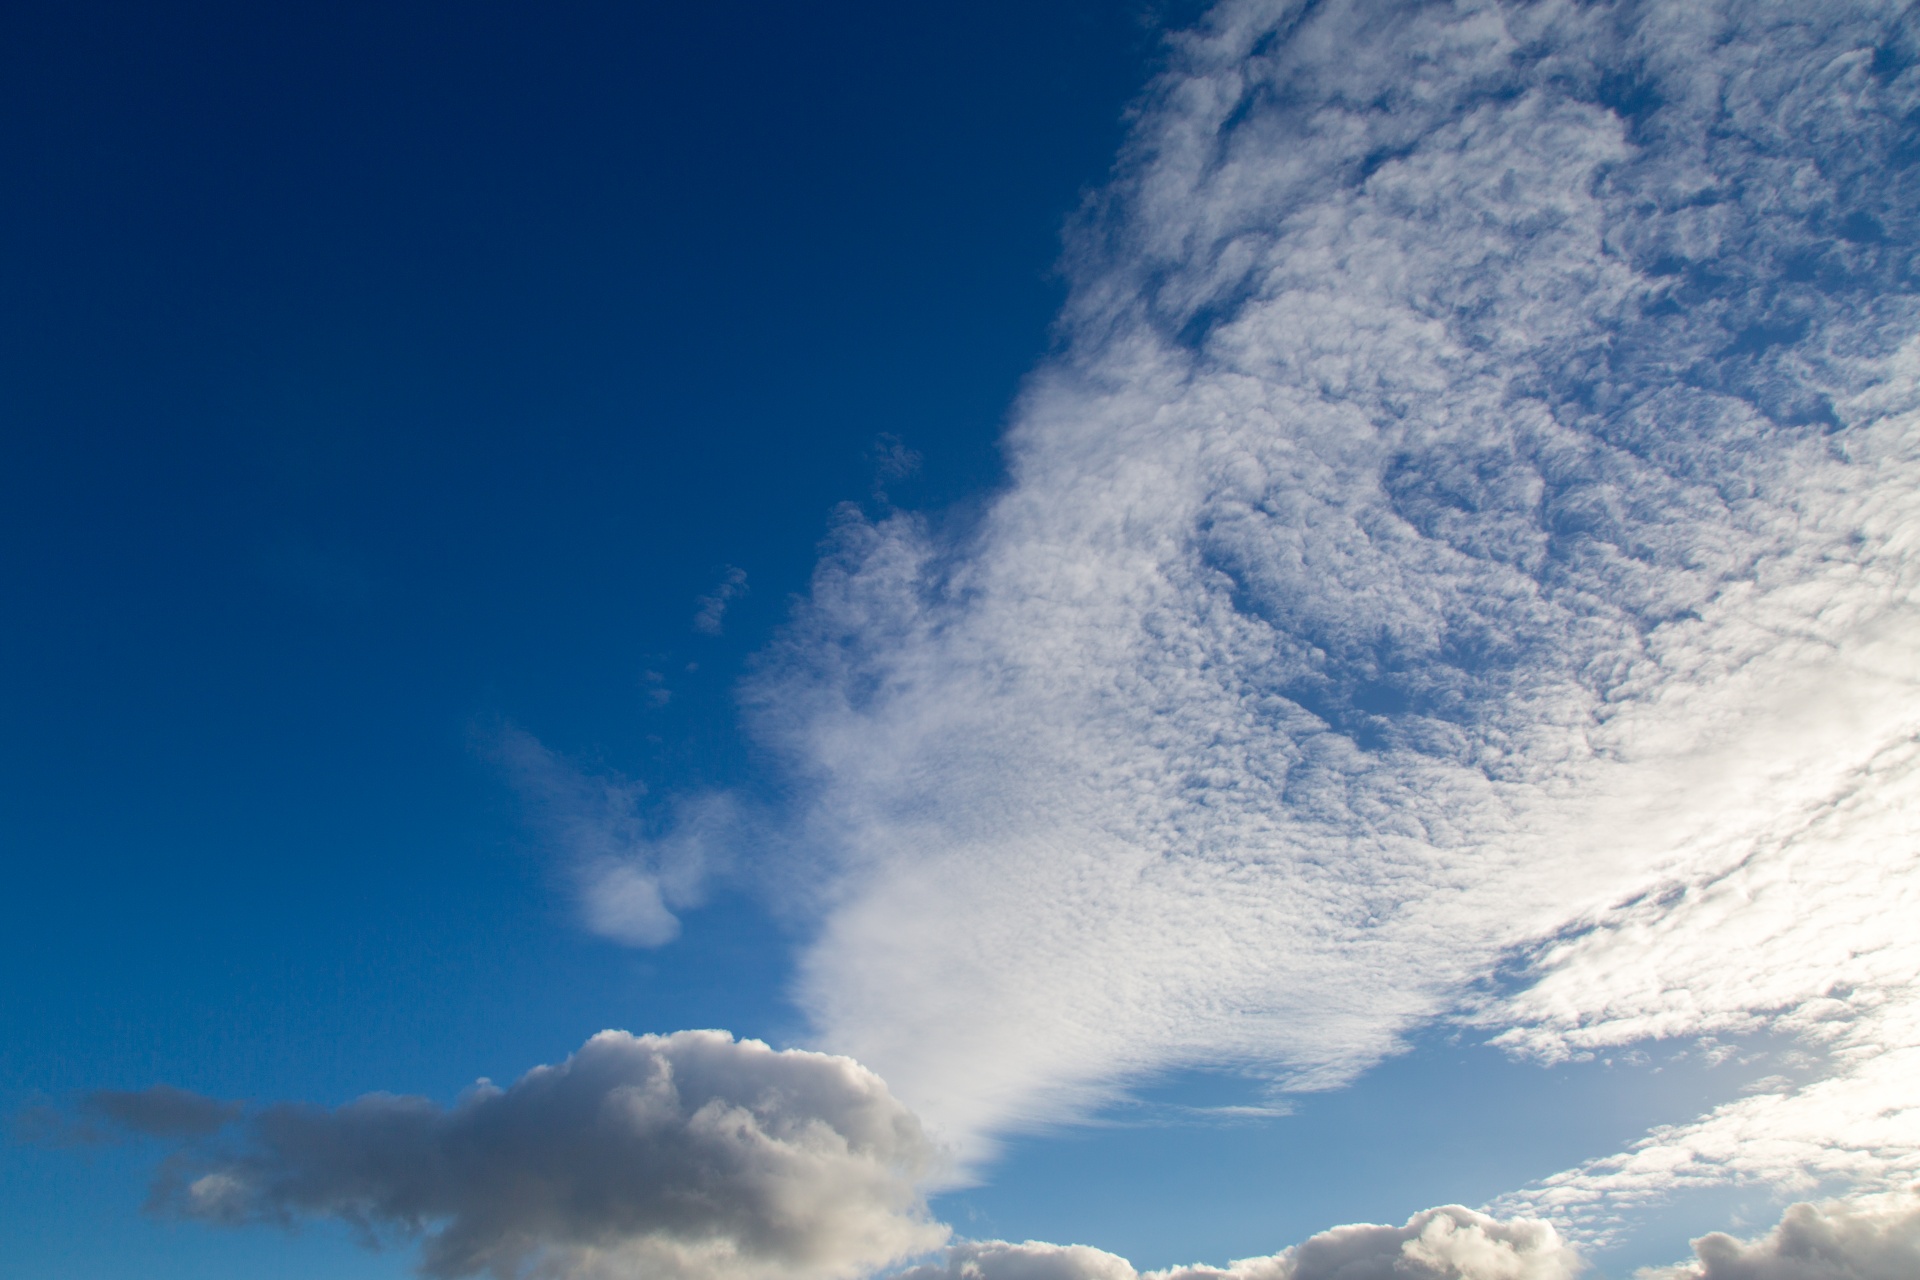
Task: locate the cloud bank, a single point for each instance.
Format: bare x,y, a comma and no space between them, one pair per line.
691,1155
1449,1243
1461,565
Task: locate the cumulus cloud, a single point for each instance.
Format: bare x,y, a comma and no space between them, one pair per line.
691,1155
713,606
1448,1243
1874,1238
1462,564
632,873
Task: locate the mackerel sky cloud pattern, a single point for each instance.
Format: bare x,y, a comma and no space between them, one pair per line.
1468,531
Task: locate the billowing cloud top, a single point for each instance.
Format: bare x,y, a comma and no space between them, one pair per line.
1471,531
1872,1238
691,1155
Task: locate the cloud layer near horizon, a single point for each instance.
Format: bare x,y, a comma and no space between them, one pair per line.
1874,1237
691,1156
1448,1243
1471,530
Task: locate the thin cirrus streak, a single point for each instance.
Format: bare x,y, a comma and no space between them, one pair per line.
1470,522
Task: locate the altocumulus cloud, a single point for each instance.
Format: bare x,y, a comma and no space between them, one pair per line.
689,1156
1449,1243
1470,531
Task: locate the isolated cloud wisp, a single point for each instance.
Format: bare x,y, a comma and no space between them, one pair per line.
1448,1243
1471,530
691,1155
632,874
713,606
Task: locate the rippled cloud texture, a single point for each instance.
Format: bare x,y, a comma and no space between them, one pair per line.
1461,565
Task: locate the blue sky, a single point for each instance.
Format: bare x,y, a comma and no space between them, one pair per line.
1265,617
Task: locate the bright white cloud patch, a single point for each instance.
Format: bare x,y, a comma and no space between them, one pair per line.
1451,1243
687,1157
1875,1238
1473,522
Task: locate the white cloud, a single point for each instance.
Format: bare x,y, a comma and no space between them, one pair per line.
1449,1243
631,874
1474,519
1871,1238
686,1156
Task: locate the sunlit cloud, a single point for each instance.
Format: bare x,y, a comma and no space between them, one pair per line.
1450,1243
1873,1238
1461,567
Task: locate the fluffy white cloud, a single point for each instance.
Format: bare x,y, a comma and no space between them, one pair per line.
1449,1243
685,1156
1473,522
1874,1238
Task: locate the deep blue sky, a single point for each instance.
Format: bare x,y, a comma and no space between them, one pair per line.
368,370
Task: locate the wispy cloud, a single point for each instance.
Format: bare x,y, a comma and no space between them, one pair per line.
632,872
713,606
1472,525
112,1115
892,462
690,1157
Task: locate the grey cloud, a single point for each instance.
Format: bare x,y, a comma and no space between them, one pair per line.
1448,1243
113,1115
713,607
161,1111
686,1156
1875,1238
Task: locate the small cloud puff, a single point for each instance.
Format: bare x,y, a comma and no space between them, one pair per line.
1448,1243
631,882
1870,1238
686,1157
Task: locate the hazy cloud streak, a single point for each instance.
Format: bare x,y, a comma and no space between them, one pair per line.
713,606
